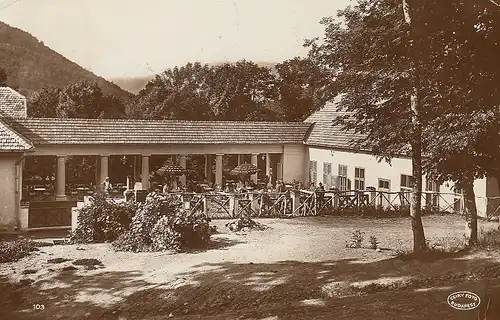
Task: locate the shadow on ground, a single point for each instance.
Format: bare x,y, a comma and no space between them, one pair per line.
341,289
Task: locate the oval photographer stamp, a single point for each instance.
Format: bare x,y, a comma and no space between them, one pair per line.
464,300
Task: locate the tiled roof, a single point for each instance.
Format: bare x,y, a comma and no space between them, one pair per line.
11,140
325,134
113,131
12,103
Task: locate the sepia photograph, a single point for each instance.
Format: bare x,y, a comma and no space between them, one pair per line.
249,159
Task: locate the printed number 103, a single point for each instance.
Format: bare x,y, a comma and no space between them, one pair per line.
38,307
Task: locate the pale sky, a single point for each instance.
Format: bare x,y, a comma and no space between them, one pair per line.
115,38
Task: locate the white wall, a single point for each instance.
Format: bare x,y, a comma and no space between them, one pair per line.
9,200
373,169
392,172
294,162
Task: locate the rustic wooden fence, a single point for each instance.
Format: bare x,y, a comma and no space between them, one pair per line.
307,203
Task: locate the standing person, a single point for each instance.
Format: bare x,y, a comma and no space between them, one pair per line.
320,193
280,187
312,187
106,186
301,186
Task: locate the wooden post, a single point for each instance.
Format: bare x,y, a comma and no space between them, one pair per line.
231,205
205,205
295,200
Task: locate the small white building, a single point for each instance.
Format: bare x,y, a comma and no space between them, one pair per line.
333,162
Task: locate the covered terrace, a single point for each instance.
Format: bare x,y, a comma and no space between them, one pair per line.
281,143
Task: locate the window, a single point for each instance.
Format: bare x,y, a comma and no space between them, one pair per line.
406,182
457,198
359,179
343,184
432,193
313,171
327,174
384,184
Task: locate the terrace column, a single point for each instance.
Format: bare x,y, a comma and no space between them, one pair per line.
104,169
98,180
145,173
61,178
254,162
218,170
208,167
268,165
239,159
182,163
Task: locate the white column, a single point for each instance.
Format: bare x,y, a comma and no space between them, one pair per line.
255,163
61,178
279,173
218,170
182,163
208,167
239,159
137,170
268,165
98,180
145,173
104,172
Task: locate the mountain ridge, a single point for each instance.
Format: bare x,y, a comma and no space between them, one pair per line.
136,84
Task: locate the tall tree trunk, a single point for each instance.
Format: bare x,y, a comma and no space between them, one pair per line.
471,210
416,144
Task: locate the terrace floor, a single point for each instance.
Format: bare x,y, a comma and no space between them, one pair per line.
298,269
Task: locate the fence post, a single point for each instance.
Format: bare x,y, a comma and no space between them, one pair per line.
187,202
295,200
285,204
253,205
205,205
315,203
232,208
261,196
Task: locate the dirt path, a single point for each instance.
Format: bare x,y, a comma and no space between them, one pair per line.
299,267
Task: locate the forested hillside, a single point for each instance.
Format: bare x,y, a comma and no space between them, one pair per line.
31,65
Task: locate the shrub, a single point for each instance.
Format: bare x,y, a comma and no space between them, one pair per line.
14,250
103,220
373,242
489,239
161,224
356,239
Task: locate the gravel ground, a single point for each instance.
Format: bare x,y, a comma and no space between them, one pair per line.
298,269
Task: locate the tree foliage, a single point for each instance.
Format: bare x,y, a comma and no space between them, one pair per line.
304,86
83,99
240,91
3,78
438,55
178,93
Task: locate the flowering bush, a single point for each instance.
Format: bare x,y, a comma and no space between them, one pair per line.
161,224
103,220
